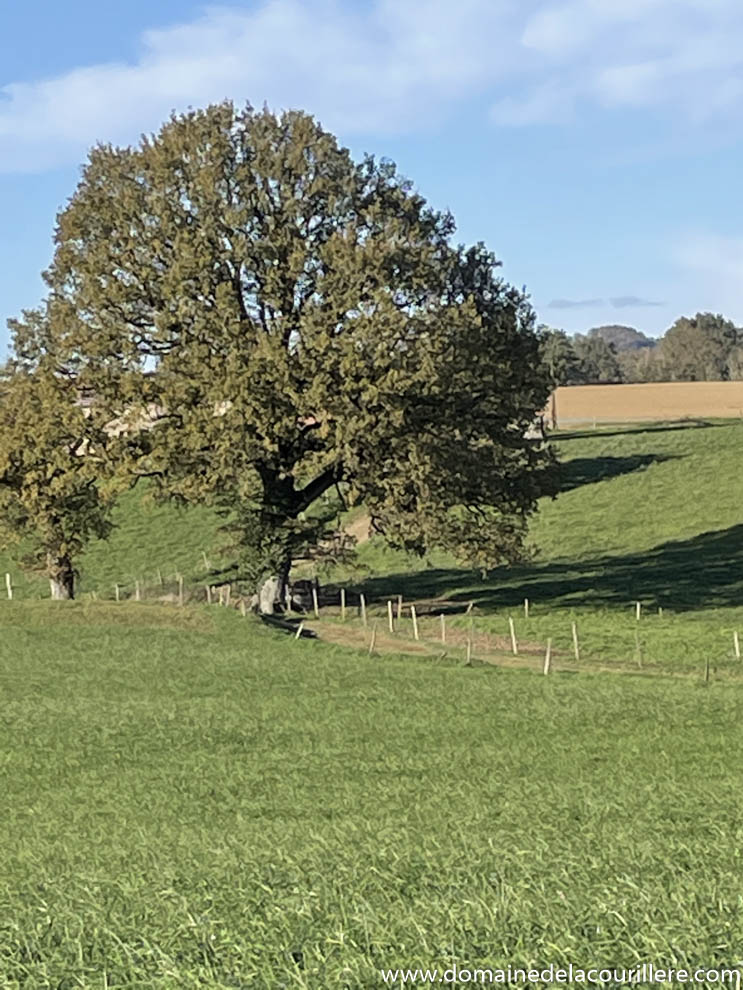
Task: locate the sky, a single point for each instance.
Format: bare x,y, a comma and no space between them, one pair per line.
593,145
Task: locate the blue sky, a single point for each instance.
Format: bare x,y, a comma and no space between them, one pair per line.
594,145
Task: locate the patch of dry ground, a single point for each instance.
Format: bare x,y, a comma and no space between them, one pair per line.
656,402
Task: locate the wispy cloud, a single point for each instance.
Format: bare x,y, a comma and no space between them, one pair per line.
575,303
633,302
385,67
394,65
713,263
684,56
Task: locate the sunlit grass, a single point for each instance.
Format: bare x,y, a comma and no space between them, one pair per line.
210,804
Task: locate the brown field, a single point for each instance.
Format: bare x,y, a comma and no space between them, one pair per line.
654,402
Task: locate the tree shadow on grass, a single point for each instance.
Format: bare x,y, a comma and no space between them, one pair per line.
638,428
703,572
588,470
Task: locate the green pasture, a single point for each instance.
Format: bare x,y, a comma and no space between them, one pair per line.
191,800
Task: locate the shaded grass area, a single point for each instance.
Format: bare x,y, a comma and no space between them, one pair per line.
703,572
218,806
651,514
638,507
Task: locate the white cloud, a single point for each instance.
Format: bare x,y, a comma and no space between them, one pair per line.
681,55
550,103
393,65
714,264
397,65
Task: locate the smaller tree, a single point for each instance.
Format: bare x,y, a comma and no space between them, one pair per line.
701,348
559,357
51,499
598,360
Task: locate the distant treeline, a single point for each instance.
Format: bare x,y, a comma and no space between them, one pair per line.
705,347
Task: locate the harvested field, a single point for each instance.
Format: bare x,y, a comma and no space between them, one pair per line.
654,402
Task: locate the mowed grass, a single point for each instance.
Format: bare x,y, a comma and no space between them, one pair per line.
192,800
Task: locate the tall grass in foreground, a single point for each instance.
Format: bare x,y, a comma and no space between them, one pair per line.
190,801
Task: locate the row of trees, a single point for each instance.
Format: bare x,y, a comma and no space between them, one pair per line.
704,347
260,323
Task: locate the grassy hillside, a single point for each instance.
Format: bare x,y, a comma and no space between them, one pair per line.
190,801
147,537
650,512
633,491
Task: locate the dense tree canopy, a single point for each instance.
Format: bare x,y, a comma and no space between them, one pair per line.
296,324
704,347
560,358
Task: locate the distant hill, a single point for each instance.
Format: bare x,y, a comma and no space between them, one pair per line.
623,338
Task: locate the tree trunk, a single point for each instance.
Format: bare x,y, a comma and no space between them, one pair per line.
61,577
272,590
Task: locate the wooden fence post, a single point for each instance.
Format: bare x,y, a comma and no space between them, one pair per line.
638,610
736,645
116,592
526,608
298,633
343,604
399,607
315,603
180,589
548,658
514,644
9,587
442,617
576,647
362,605
415,622
208,595
137,596
390,621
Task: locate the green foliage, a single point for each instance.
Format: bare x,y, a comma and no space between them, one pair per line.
190,801
598,360
289,320
558,354
52,471
580,360
705,347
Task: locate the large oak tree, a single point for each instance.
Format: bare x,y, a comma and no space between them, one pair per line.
295,324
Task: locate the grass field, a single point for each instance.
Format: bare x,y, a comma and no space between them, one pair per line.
190,801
